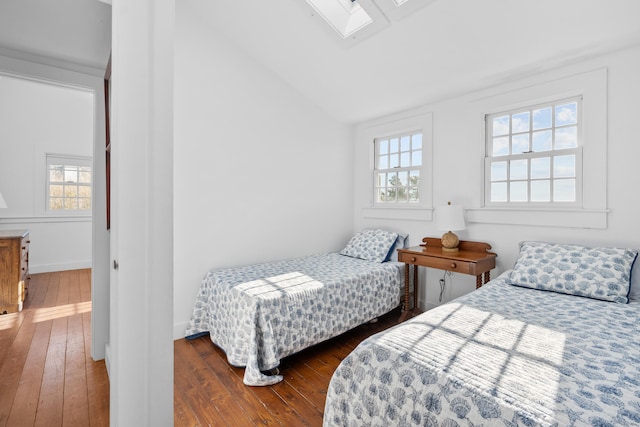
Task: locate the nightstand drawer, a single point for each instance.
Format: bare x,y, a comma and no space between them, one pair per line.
439,263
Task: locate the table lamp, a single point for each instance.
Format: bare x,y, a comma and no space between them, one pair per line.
450,218
3,204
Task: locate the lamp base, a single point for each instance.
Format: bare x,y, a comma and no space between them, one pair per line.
450,242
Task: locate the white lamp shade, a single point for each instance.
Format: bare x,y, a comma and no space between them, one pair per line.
450,218
3,204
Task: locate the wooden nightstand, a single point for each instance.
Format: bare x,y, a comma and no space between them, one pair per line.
472,258
14,269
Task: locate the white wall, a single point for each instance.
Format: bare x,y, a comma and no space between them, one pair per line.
259,173
56,243
40,117
458,170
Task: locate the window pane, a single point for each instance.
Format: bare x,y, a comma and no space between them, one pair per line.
520,143
566,137
414,177
85,176
541,141
405,160
501,146
499,171
383,162
403,178
84,204
403,195
501,126
564,166
71,174
381,195
394,161
392,179
384,146
56,190
518,191
414,194
566,114
71,203
55,203
416,158
564,190
70,191
499,192
405,143
542,118
394,145
382,179
55,174
520,122
541,191
518,169
416,141
540,168
84,191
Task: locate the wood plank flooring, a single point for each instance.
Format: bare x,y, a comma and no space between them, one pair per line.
47,376
209,392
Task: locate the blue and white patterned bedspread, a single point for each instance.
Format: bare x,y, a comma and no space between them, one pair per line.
261,313
499,356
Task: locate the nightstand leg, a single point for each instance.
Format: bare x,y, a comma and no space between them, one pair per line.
478,281
487,276
415,286
405,305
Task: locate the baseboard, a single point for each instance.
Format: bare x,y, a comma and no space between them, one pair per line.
107,359
48,268
179,329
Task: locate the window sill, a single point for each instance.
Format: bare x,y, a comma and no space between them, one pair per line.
571,218
409,214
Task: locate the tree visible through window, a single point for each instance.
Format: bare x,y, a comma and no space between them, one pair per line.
69,181
534,155
397,171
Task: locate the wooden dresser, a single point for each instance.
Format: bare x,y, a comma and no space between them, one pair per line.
14,269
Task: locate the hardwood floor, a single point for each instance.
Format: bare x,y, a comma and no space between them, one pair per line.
209,392
47,376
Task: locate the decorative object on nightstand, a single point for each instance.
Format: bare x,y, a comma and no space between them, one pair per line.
3,204
14,269
472,258
450,218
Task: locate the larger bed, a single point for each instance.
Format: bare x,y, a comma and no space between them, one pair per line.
260,313
552,343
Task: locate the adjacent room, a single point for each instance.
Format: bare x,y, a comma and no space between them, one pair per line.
170,169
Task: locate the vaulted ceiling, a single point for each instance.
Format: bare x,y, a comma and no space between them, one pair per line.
446,48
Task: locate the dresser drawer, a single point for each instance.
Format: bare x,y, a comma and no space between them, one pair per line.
439,263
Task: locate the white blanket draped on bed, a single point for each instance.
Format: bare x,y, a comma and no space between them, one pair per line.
261,313
499,356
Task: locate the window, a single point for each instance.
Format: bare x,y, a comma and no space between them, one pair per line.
69,181
534,155
398,162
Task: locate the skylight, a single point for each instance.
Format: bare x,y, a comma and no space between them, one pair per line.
346,17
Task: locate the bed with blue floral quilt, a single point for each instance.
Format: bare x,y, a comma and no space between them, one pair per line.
553,342
259,314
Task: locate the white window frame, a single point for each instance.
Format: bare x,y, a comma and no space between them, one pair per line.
67,160
530,155
592,85
416,121
391,169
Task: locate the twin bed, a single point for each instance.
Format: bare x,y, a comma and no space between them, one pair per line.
259,314
553,342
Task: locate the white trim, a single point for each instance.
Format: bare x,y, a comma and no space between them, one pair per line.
45,219
406,213
46,268
570,218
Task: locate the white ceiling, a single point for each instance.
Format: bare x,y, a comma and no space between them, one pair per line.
441,50
68,33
